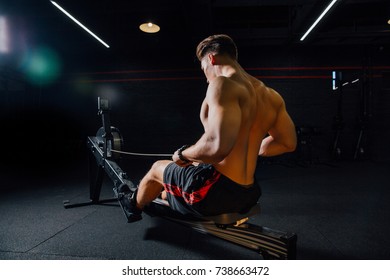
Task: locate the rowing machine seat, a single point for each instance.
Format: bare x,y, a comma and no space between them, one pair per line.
233,218
160,207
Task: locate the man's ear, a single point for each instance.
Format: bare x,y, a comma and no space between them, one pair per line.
212,59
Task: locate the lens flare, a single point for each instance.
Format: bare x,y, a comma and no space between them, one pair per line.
41,66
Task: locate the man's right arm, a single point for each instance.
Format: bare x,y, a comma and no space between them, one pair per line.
223,124
282,136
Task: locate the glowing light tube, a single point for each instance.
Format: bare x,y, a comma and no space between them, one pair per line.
79,23
318,19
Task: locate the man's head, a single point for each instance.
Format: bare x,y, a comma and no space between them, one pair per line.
218,45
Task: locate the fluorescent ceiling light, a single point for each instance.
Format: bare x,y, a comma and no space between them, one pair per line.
79,23
318,19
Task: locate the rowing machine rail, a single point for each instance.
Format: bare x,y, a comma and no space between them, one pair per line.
232,227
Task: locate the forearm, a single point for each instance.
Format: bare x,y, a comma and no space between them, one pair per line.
270,147
190,155
205,150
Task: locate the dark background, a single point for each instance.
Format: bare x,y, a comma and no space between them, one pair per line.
156,86
52,71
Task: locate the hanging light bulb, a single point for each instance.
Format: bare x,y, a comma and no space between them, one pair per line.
149,27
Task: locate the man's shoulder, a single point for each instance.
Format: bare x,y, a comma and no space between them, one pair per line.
272,97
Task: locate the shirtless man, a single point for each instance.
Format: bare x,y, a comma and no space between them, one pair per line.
242,119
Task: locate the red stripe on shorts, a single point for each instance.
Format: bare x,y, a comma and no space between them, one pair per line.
196,196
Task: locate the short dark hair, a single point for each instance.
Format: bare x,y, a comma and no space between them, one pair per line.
219,44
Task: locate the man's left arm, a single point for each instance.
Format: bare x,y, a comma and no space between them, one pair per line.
222,128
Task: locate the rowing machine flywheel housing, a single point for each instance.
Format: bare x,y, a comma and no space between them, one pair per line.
117,139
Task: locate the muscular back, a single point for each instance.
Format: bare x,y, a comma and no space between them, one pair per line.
249,111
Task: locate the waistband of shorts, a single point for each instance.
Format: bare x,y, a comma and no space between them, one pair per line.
224,177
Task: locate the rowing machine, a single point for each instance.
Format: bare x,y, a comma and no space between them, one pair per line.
233,227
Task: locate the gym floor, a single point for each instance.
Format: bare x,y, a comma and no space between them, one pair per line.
339,210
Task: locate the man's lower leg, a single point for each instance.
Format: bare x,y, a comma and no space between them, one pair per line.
148,190
127,201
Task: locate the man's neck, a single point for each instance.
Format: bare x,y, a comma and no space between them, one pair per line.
226,70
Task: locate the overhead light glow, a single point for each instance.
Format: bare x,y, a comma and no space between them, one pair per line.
318,19
4,35
149,27
79,23
388,22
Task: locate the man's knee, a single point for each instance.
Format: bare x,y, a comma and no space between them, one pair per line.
157,170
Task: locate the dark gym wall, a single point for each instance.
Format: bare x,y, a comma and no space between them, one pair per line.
156,101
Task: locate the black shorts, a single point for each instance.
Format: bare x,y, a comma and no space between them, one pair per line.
203,191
